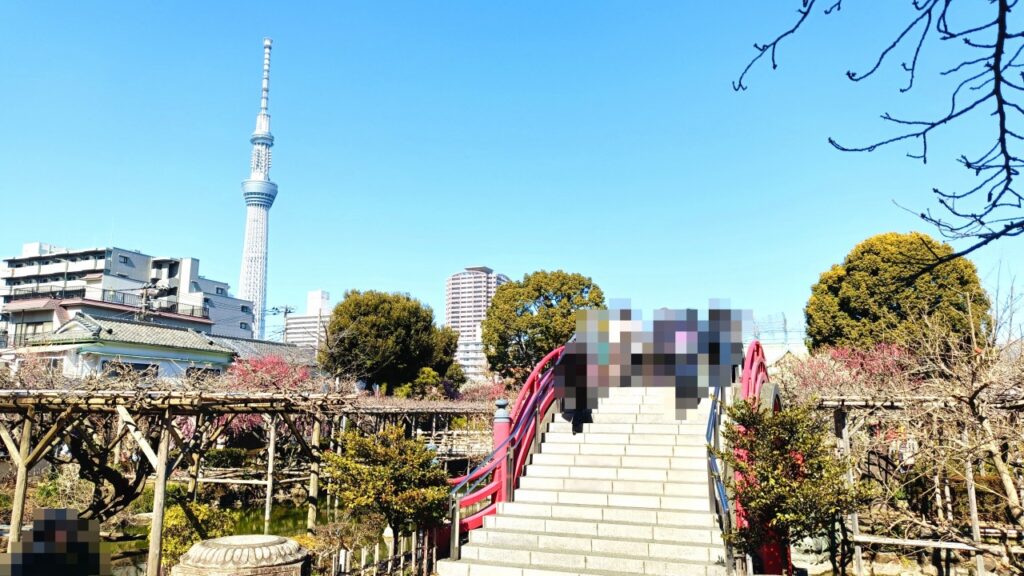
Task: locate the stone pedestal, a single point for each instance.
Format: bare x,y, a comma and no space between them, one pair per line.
250,555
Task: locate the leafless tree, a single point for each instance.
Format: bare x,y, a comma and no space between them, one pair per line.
928,413
985,68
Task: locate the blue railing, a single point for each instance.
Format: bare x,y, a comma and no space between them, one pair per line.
722,498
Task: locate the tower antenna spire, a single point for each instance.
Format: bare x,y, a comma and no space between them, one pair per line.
267,44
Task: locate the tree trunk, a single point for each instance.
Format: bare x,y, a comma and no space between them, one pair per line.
832,549
1015,512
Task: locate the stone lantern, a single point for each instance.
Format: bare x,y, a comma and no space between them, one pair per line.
248,555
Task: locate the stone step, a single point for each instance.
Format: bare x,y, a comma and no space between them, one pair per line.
683,451
694,432
620,439
661,392
660,502
582,563
626,545
695,474
636,400
631,418
655,408
480,568
690,489
609,461
661,524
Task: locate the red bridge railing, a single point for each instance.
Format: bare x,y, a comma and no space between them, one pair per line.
494,480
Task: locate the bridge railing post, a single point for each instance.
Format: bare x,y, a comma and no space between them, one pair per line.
502,428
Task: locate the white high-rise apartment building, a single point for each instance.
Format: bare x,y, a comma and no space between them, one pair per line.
467,297
310,329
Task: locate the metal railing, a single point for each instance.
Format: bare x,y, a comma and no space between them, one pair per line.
122,297
715,474
44,292
495,478
156,305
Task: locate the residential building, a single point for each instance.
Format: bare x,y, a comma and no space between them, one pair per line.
46,285
87,345
467,297
310,329
259,193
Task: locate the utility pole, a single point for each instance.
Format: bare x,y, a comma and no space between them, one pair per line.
140,315
319,327
286,310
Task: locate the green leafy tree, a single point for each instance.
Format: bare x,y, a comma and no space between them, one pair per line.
186,523
533,316
388,475
426,385
455,375
446,341
427,382
884,293
383,338
791,484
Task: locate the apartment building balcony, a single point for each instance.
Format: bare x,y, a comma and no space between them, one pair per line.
49,292
156,305
55,268
124,298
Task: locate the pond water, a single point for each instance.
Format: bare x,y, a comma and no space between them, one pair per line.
286,519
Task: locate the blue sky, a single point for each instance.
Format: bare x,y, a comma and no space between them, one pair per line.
416,138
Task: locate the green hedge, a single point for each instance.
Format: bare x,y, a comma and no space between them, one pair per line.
225,458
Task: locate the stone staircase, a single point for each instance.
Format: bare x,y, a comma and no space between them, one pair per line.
628,495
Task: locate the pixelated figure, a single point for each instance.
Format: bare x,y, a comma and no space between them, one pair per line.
59,543
679,349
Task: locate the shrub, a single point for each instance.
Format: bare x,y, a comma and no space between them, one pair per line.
63,488
388,475
480,391
789,481
225,458
185,524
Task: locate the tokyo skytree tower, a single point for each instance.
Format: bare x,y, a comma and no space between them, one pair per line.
259,193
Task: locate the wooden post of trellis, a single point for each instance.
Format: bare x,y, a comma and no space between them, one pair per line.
196,457
332,435
337,450
972,500
842,423
314,478
156,529
269,502
21,482
376,558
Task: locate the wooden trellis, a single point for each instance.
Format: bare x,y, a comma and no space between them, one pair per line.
842,406
56,412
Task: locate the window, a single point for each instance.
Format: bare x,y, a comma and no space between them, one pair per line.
246,310
243,325
221,291
118,368
202,373
124,259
